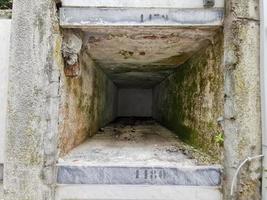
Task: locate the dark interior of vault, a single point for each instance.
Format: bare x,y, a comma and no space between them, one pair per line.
147,83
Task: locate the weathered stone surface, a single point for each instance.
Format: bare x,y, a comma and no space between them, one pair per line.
244,9
32,103
34,84
5,24
78,17
242,98
263,81
143,57
87,103
123,175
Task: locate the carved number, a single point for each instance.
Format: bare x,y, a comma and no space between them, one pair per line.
155,16
150,174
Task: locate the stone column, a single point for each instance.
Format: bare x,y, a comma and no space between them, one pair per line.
31,138
242,98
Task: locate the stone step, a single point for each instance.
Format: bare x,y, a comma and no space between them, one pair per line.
136,192
148,175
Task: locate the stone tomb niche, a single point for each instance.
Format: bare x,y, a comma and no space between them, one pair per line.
133,95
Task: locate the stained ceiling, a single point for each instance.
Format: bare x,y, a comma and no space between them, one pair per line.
143,56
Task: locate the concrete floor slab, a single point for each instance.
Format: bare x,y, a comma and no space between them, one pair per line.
134,142
135,152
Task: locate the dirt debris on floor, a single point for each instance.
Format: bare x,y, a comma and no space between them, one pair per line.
125,127
137,141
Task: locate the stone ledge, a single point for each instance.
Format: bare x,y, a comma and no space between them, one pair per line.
90,16
136,192
111,175
140,3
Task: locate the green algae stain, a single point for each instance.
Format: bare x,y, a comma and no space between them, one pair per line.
191,100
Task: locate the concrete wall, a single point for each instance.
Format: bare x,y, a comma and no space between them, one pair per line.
88,102
190,101
242,113
5,27
33,83
135,102
33,100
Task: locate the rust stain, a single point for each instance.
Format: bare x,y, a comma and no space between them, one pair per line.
72,70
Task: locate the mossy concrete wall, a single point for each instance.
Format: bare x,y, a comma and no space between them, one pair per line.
190,101
5,4
87,103
242,98
33,87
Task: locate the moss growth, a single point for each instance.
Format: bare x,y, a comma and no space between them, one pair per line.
6,4
191,99
85,105
57,51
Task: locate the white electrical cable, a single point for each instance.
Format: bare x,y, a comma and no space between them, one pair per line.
238,169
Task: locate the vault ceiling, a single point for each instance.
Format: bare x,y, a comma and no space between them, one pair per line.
143,56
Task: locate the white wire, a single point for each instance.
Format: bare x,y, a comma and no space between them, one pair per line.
238,169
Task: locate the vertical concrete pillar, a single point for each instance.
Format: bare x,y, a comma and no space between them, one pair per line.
32,102
4,62
242,98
